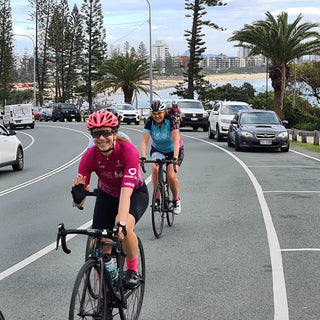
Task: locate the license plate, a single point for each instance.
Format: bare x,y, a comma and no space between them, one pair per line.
18,121
266,142
194,119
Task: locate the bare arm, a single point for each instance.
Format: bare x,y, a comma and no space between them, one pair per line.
144,144
176,142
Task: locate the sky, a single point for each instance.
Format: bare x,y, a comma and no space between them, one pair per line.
128,20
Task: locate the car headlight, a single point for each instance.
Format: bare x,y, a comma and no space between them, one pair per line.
283,134
246,134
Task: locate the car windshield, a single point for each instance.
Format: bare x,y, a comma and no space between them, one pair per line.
259,118
189,105
233,109
67,106
125,107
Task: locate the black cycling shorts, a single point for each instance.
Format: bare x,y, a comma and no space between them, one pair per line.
106,207
169,155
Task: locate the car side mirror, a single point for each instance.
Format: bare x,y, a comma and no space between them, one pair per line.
214,112
285,122
234,122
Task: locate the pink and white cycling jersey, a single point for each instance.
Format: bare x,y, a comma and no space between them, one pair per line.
120,169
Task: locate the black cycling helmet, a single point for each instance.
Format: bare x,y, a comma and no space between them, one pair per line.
157,106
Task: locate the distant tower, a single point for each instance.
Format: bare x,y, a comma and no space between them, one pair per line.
243,52
160,50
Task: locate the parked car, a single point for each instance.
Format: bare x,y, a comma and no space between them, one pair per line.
45,114
113,110
36,112
193,114
11,149
18,115
258,129
62,111
127,113
221,116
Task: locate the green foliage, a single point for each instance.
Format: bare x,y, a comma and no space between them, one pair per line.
20,96
280,42
124,72
309,74
6,50
193,77
229,92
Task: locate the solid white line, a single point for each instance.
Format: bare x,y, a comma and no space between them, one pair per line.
49,174
37,255
280,301
301,249
292,191
294,167
305,155
32,140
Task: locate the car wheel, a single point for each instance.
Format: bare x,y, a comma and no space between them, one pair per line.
62,119
237,144
54,119
69,119
205,128
195,128
137,122
32,126
210,134
286,148
18,166
230,144
218,134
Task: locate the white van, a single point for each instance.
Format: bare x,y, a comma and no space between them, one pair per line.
18,115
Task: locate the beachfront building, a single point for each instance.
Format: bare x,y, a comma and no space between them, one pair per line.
160,51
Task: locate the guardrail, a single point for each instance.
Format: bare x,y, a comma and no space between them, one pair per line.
306,136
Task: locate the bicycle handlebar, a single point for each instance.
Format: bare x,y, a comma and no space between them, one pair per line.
160,162
95,233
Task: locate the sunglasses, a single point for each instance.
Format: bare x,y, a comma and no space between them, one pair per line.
104,133
157,113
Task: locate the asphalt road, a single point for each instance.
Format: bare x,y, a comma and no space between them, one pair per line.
246,245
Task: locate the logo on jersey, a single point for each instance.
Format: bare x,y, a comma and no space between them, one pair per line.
132,171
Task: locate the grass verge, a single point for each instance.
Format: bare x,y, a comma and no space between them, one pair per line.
308,146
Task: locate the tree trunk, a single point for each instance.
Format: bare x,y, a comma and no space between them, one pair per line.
279,86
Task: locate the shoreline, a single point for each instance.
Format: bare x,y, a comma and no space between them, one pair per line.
170,82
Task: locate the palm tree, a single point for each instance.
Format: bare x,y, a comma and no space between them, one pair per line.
280,42
126,72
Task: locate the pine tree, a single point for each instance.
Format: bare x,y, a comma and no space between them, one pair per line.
196,44
95,46
43,10
142,51
6,50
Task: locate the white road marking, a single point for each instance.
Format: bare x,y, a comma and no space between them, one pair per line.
280,301
32,140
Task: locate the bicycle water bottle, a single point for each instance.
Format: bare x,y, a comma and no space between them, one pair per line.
112,268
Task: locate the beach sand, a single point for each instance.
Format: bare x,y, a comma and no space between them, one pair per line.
170,82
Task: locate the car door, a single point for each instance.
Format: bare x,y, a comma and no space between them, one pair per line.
214,116
7,146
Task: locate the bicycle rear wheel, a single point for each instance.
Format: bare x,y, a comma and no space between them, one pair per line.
135,296
157,211
1,316
87,300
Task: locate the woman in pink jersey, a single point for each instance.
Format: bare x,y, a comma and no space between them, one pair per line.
122,194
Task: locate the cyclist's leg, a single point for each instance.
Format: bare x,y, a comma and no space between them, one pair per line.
138,205
105,211
173,176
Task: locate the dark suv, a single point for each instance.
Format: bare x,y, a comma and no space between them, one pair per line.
67,111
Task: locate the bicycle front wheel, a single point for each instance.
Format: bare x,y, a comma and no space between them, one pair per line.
135,296
87,299
157,209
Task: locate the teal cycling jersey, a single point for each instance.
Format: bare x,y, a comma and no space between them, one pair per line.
161,135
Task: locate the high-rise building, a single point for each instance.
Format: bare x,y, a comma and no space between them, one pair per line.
160,51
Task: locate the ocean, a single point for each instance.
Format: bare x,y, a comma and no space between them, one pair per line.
164,94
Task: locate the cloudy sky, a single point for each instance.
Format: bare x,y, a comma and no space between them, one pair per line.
127,20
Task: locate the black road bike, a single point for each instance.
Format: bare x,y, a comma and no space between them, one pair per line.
95,294
161,207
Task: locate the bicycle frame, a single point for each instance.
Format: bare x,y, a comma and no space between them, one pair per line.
118,298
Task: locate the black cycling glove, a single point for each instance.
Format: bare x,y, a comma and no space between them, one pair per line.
78,193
